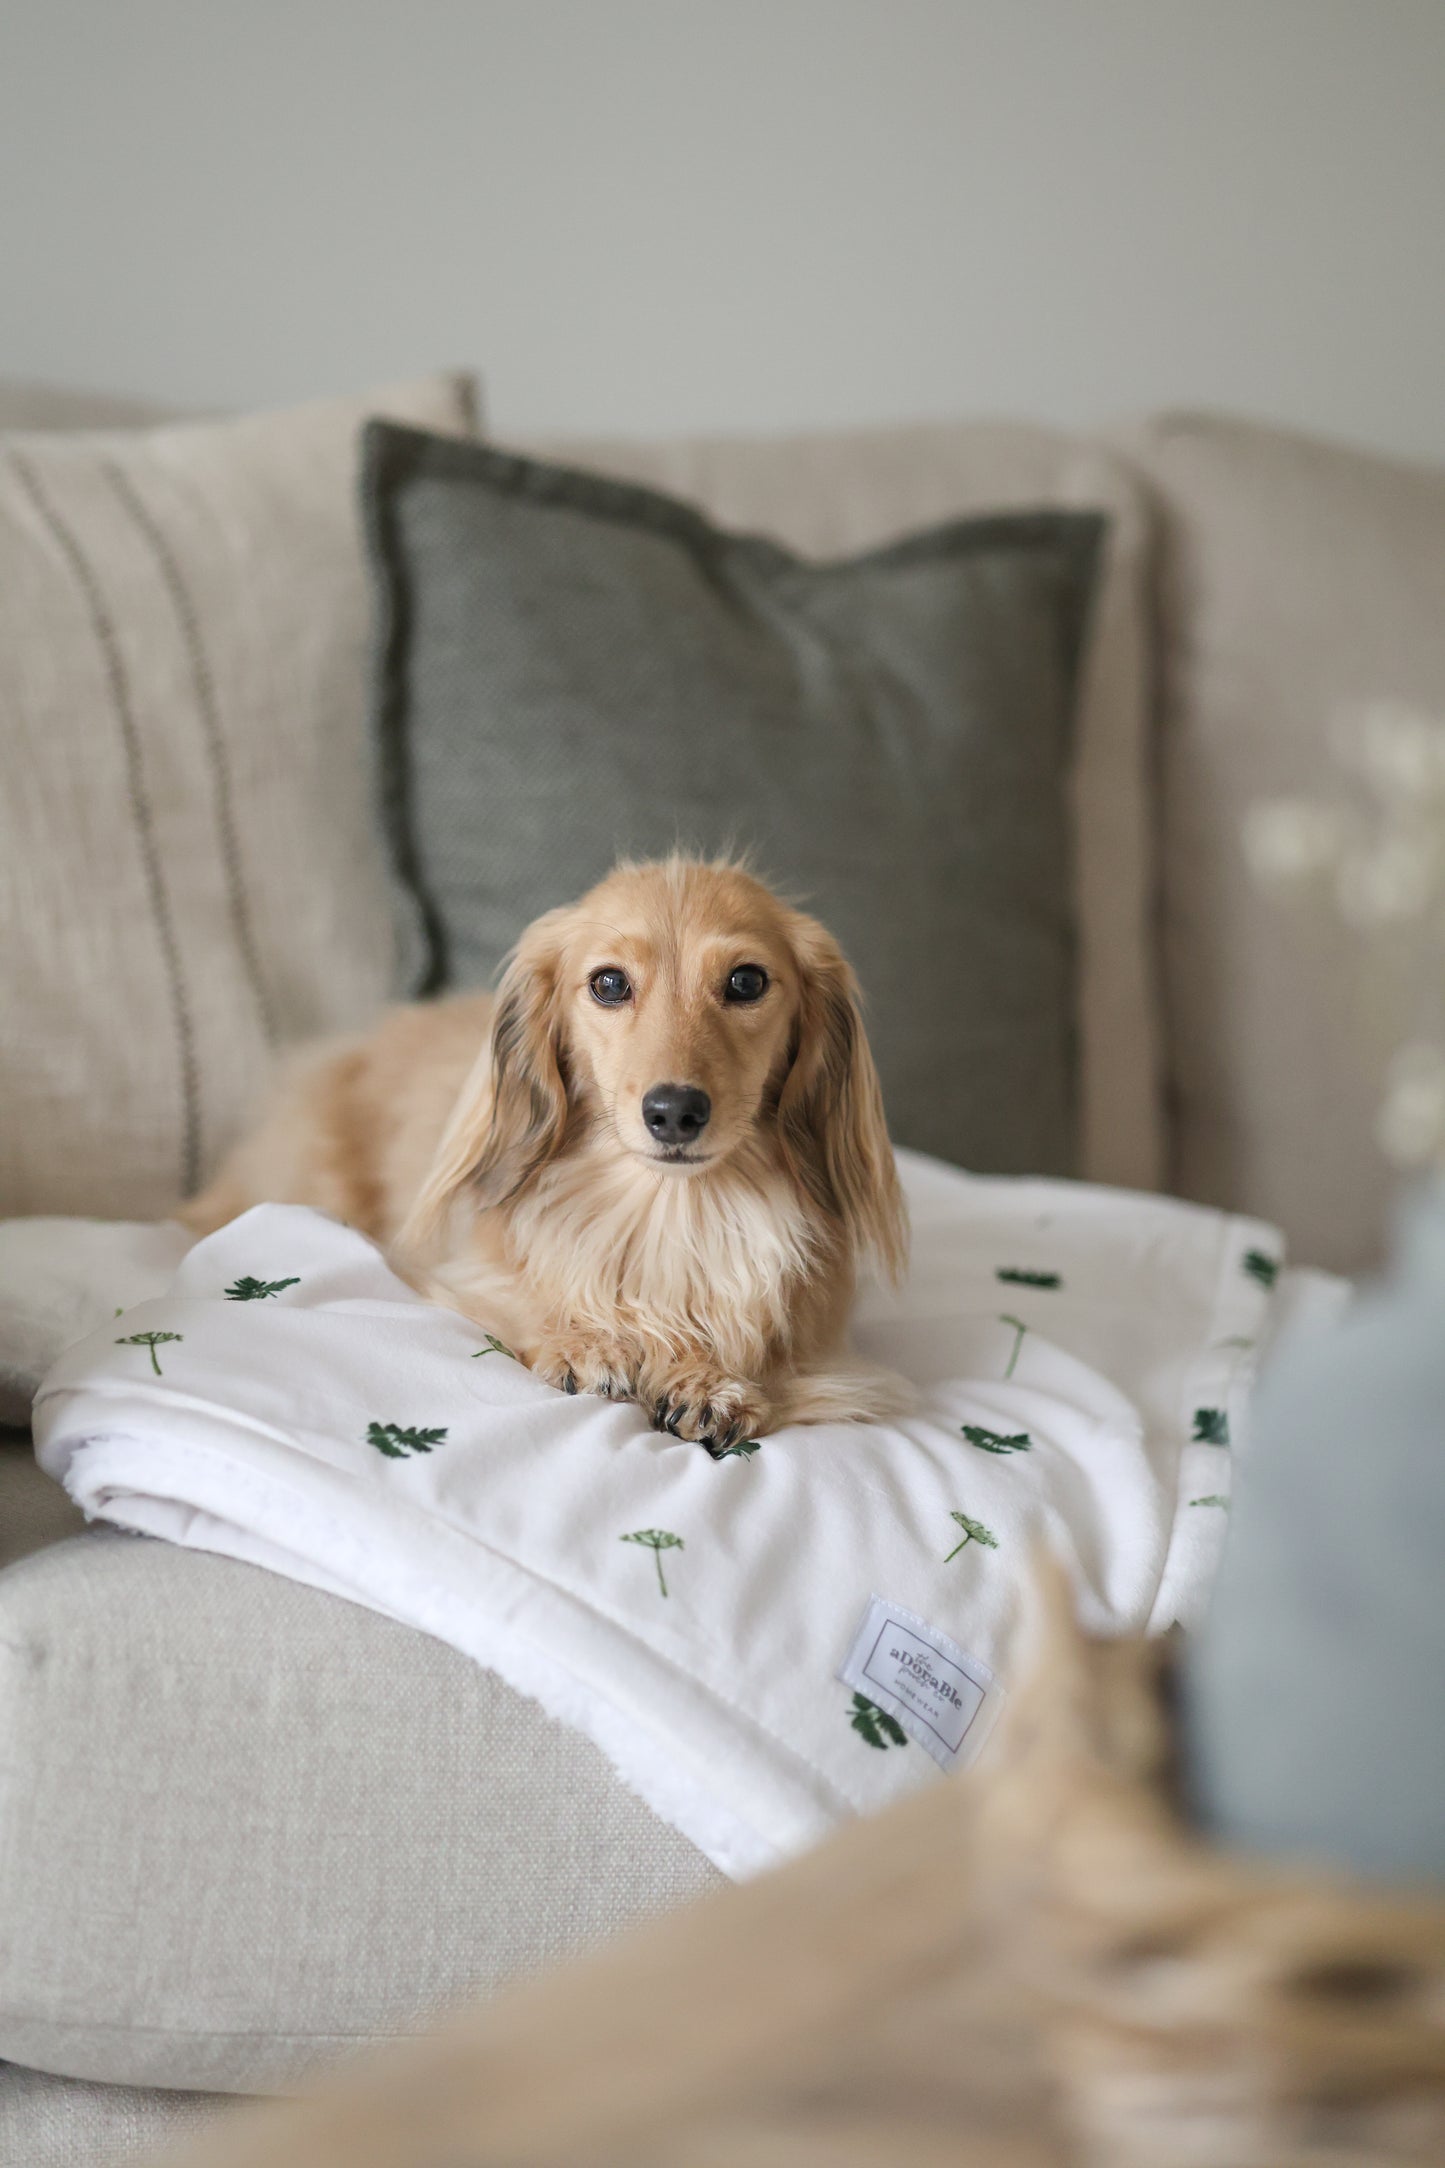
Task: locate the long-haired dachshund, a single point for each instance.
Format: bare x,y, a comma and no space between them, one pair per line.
653,1177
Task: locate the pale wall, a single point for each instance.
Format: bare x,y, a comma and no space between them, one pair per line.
650,215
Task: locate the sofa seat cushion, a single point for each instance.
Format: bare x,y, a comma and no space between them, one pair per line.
245,1827
50,2122
34,1510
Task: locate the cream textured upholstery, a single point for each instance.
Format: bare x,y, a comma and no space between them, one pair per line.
330,1824
50,2122
1297,582
188,877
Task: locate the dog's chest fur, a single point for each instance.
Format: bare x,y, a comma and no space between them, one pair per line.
718,1256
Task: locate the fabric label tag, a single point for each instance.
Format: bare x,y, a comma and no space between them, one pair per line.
929,1685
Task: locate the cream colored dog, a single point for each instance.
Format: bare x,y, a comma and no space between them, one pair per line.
653,1178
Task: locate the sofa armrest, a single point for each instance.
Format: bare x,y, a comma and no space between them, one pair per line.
245,1827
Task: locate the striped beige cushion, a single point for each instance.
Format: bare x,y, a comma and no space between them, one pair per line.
188,874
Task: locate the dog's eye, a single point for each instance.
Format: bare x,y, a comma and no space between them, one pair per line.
610,986
748,983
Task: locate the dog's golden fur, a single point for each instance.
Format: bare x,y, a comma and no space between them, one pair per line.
497,1150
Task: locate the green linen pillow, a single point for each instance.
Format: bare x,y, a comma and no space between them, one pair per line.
571,669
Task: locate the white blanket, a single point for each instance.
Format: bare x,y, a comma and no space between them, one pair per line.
762,1644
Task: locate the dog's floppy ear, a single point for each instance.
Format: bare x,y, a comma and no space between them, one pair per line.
511,1112
830,1110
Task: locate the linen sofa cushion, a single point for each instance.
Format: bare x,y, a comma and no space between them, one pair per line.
50,2122
574,669
1299,580
27,405
34,1510
188,871
833,493
332,1825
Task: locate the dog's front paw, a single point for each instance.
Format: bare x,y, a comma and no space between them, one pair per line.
706,1407
583,1362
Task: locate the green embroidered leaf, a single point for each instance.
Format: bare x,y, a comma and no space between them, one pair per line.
397,1442
248,1289
1212,1500
152,1340
874,1725
1211,1426
973,1532
494,1347
741,1449
1019,1329
1024,1276
1237,1339
863,1724
994,1441
656,1540
1262,1267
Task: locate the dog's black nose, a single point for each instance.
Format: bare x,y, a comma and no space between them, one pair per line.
676,1113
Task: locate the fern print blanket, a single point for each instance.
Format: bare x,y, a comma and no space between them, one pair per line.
765,1643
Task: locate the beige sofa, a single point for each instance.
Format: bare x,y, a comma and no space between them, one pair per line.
245,1827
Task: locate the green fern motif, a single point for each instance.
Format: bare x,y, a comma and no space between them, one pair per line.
874,1725
656,1540
1213,1499
152,1340
973,1532
494,1347
1211,1426
740,1449
248,1289
398,1442
994,1441
1019,1329
1025,1276
1262,1267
